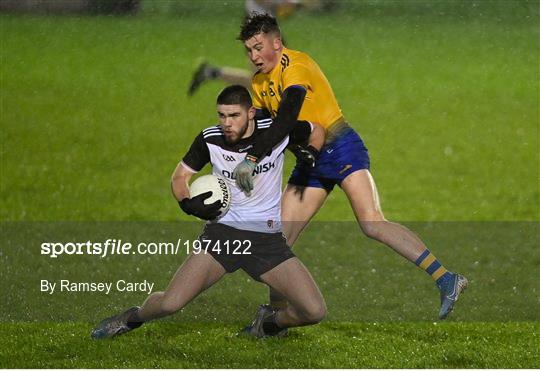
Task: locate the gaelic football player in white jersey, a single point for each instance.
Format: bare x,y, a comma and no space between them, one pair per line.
255,219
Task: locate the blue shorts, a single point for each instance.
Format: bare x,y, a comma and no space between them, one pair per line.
344,155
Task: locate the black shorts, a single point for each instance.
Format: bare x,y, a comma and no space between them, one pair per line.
254,252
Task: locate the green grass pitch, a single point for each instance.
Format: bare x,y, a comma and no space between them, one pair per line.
94,117
331,345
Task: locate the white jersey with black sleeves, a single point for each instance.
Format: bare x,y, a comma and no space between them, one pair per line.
261,210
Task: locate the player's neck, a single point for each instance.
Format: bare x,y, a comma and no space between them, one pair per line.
250,129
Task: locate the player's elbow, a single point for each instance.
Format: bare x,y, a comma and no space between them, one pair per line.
179,183
178,178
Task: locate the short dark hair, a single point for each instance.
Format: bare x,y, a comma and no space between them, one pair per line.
257,23
235,94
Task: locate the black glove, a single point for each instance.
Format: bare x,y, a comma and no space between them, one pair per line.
195,206
305,155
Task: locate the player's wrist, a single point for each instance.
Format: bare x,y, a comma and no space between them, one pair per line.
184,205
316,152
251,159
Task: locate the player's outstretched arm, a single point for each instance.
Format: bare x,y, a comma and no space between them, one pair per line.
284,123
289,109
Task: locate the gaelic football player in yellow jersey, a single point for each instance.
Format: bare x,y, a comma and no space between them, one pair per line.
289,85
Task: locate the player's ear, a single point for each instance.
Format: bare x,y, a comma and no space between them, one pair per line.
251,113
277,43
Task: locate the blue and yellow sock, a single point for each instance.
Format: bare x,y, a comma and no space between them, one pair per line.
428,262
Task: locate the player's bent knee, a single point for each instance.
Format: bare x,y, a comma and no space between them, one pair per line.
373,228
314,317
315,313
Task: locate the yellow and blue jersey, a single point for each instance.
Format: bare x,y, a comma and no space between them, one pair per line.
344,151
297,68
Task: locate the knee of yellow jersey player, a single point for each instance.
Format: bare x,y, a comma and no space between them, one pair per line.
373,226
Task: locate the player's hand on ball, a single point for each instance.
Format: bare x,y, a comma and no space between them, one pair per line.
195,206
306,155
243,173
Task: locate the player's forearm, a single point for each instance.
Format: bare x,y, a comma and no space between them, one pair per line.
180,188
284,123
317,137
179,183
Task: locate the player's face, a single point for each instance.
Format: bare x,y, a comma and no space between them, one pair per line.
236,121
264,51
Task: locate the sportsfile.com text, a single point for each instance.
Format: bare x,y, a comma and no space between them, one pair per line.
120,247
